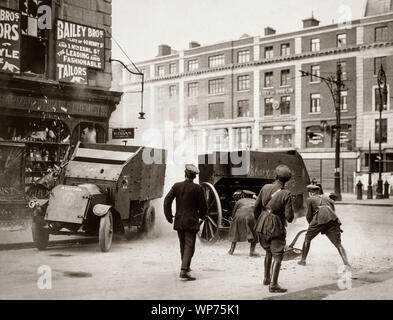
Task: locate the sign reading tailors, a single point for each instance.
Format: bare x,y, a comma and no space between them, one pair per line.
78,49
9,41
123,133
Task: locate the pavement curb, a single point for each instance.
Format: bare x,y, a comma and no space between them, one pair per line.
364,204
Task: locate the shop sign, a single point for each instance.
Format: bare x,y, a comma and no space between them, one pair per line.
123,133
276,92
315,139
9,41
78,48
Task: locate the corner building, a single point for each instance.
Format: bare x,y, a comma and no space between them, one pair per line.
249,93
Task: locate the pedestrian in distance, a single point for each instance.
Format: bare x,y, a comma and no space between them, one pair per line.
190,207
243,222
322,218
273,209
314,181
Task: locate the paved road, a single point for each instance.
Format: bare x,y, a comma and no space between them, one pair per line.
148,268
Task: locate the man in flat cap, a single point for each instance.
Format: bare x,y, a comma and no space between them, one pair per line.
190,207
322,218
272,210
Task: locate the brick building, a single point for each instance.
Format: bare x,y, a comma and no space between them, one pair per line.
55,79
249,93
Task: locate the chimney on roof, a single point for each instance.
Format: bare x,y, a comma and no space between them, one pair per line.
310,22
193,44
269,31
164,50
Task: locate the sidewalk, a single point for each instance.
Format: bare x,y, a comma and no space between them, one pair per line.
351,199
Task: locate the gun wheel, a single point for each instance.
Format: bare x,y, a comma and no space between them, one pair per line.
106,232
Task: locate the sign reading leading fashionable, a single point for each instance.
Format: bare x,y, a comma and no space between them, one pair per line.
123,133
9,41
78,48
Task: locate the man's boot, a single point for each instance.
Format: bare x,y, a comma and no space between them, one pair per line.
305,250
274,287
186,276
343,255
268,265
252,250
233,246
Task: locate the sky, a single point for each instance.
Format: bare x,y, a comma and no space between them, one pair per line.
140,26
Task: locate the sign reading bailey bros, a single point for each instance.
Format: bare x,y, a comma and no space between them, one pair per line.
78,49
9,41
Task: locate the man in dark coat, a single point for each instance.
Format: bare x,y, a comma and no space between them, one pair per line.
190,207
272,210
322,218
243,222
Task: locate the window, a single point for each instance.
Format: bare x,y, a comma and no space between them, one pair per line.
341,40
276,141
160,71
172,91
243,138
378,101
315,103
161,92
268,106
243,83
378,62
172,68
243,56
315,73
192,113
216,111
268,79
33,39
193,65
343,70
193,89
285,49
381,34
216,61
285,77
285,105
216,86
345,136
384,129
344,100
269,52
243,108
315,137
315,44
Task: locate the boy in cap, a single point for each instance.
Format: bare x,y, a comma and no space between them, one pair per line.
322,218
190,207
272,210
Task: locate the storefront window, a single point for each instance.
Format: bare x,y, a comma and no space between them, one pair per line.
345,136
276,139
243,138
218,139
315,138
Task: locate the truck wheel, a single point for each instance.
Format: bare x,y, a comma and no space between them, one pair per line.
149,219
40,235
105,235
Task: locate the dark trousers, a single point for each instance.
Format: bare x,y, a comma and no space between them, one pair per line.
187,247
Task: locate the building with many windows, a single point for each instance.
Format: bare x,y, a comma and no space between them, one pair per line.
250,93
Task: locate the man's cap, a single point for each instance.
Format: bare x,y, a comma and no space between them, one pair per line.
333,196
283,172
192,169
312,187
248,192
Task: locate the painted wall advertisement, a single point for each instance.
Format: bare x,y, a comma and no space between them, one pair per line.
78,48
9,41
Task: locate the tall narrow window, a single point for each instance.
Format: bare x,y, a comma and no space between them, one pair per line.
378,101
315,44
268,106
315,74
160,71
193,89
243,108
381,34
172,91
269,52
285,105
172,68
285,49
384,128
341,40
268,79
377,64
285,77
315,105
343,66
243,83
192,113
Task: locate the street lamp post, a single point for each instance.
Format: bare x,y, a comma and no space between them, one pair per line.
383,93
335,85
